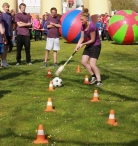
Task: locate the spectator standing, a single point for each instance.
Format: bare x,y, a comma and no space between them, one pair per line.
13,41
3,39
106,29
7,21
23,21
99,25
53,25
44,22
36,27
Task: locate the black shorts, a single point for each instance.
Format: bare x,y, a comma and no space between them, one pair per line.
92,51
8,40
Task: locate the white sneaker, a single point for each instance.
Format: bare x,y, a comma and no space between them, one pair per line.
29,63
93,80
99,84
3,64
6,63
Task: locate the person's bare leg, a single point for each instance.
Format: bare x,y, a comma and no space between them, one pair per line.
4,56
84,62
95,68
46,55
55,56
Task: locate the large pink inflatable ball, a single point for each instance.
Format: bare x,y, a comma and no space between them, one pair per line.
123,27
71,26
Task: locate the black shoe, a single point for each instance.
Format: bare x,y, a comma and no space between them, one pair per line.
45,64
55,65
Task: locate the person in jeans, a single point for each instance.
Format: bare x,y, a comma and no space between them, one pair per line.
13,41
7,21
45,26
52,43
3,39
23,21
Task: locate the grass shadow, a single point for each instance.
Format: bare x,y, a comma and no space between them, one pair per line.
14,75
10,133
114,43
121,96
79,143
3,92
63,62
120,75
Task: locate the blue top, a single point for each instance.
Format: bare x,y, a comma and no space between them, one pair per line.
99,25
7,21
44,26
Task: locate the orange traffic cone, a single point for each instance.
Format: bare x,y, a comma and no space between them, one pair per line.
95,96
40,135
86,81
51,88
78,69
49,107
112,120
49,74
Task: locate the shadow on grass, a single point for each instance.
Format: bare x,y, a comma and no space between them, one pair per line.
121,96
119,75
79,143
37,61
3,92
63,62
10,133
114,43
14,75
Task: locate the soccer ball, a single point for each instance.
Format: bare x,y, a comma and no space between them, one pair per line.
57,82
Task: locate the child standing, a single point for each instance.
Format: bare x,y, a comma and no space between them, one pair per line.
99,25
3,39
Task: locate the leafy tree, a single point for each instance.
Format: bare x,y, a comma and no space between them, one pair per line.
124,4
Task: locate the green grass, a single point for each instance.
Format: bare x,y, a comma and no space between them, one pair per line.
76,121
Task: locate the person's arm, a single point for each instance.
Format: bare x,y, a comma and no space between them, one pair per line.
55,25
80,41
2,31
22,24
92,40
50,26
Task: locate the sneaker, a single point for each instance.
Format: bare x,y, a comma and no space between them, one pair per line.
99,84
45,64
3,64
6,63
17,64
55,65
93,80
29,63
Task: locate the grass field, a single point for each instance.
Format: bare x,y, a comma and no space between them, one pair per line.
76,121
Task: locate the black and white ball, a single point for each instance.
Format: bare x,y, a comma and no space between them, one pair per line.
57,82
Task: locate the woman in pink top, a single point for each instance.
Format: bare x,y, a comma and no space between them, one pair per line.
36,27
106,29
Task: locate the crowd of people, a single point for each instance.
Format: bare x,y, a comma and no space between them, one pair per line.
18,29
102,25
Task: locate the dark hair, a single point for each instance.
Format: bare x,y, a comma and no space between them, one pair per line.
22,4
85,12
53,8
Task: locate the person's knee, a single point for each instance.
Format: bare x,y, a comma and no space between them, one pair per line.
83,63
93,65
